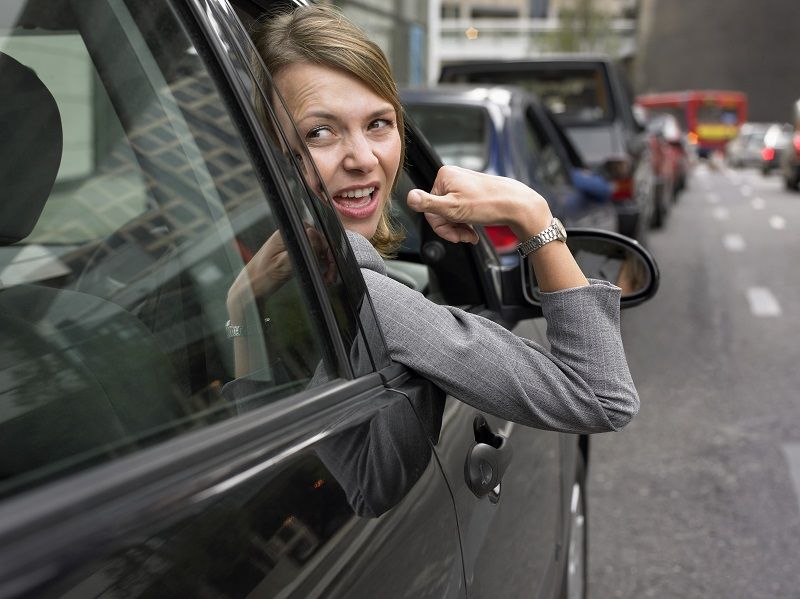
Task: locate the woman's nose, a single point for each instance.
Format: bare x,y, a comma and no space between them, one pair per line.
360,154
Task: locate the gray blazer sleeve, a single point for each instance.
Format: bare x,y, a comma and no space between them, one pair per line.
582,385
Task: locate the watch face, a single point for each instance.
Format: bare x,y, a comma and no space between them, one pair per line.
562,232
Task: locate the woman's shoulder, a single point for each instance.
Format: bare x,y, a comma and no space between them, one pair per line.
366,255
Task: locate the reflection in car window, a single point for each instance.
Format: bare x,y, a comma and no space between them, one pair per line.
113,307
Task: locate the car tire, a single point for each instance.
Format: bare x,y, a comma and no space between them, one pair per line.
576,571
792,183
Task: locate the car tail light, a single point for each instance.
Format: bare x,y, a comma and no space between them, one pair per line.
619,173
768,154
621,190
502,238
692,138
796,143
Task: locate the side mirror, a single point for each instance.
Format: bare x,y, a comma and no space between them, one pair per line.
608,256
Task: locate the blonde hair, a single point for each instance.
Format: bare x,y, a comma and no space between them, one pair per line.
322,35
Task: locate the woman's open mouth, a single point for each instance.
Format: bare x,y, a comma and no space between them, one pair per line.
357,203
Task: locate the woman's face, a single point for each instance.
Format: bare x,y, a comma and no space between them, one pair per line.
352,135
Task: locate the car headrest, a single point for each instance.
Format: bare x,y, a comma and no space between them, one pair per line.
31,142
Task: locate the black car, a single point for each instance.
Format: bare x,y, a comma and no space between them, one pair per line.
506,131
137,180
591,100
790,158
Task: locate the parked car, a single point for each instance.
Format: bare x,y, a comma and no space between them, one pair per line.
506,131
777,140
591,100
744,150
790,161
670,162
138,180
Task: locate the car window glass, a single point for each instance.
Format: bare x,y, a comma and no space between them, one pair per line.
576,96
547,164
458,133
113,307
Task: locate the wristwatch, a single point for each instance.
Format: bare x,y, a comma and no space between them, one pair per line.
555,232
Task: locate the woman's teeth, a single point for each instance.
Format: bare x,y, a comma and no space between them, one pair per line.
358,193
364,195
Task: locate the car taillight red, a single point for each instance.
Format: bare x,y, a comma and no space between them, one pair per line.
796,143
768,154
622,189
502,238
618,171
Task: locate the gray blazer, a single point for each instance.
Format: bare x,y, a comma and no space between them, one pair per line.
581,385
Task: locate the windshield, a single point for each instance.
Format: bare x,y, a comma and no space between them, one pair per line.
575,96
459,134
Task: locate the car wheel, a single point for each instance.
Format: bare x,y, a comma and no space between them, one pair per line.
577,568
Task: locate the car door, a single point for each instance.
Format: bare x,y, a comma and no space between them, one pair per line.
136,460
510,534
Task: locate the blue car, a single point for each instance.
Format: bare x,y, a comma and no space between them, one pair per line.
507,131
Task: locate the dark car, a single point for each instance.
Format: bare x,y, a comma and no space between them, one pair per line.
137,180
790,160
506,131
591,100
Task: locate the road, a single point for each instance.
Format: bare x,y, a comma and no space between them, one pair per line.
700,495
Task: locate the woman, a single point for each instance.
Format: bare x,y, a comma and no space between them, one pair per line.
340,93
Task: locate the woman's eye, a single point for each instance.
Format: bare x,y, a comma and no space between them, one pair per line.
319,133
378,123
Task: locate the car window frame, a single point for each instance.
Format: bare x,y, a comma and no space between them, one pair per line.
234,64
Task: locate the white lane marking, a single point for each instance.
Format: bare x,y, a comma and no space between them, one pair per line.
712,197
792,453
746,190
762,302
777,222
733,242
758,203
721,213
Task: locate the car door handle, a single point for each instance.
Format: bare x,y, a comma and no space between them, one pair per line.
487,461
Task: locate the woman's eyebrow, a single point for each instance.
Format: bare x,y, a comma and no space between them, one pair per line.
322,114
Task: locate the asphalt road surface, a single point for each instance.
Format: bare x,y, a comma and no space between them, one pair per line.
700,495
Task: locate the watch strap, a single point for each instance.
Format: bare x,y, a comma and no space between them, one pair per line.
551,233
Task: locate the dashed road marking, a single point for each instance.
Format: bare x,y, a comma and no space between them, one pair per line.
733,242
758,203
721,213
777,222
762,302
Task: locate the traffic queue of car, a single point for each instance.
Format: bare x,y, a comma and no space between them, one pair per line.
769,147
583,103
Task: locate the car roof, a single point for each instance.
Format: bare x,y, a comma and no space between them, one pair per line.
465,93
577,60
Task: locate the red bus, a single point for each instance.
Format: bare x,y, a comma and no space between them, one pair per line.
710,118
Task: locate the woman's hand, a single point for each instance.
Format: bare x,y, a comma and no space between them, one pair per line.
461,198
